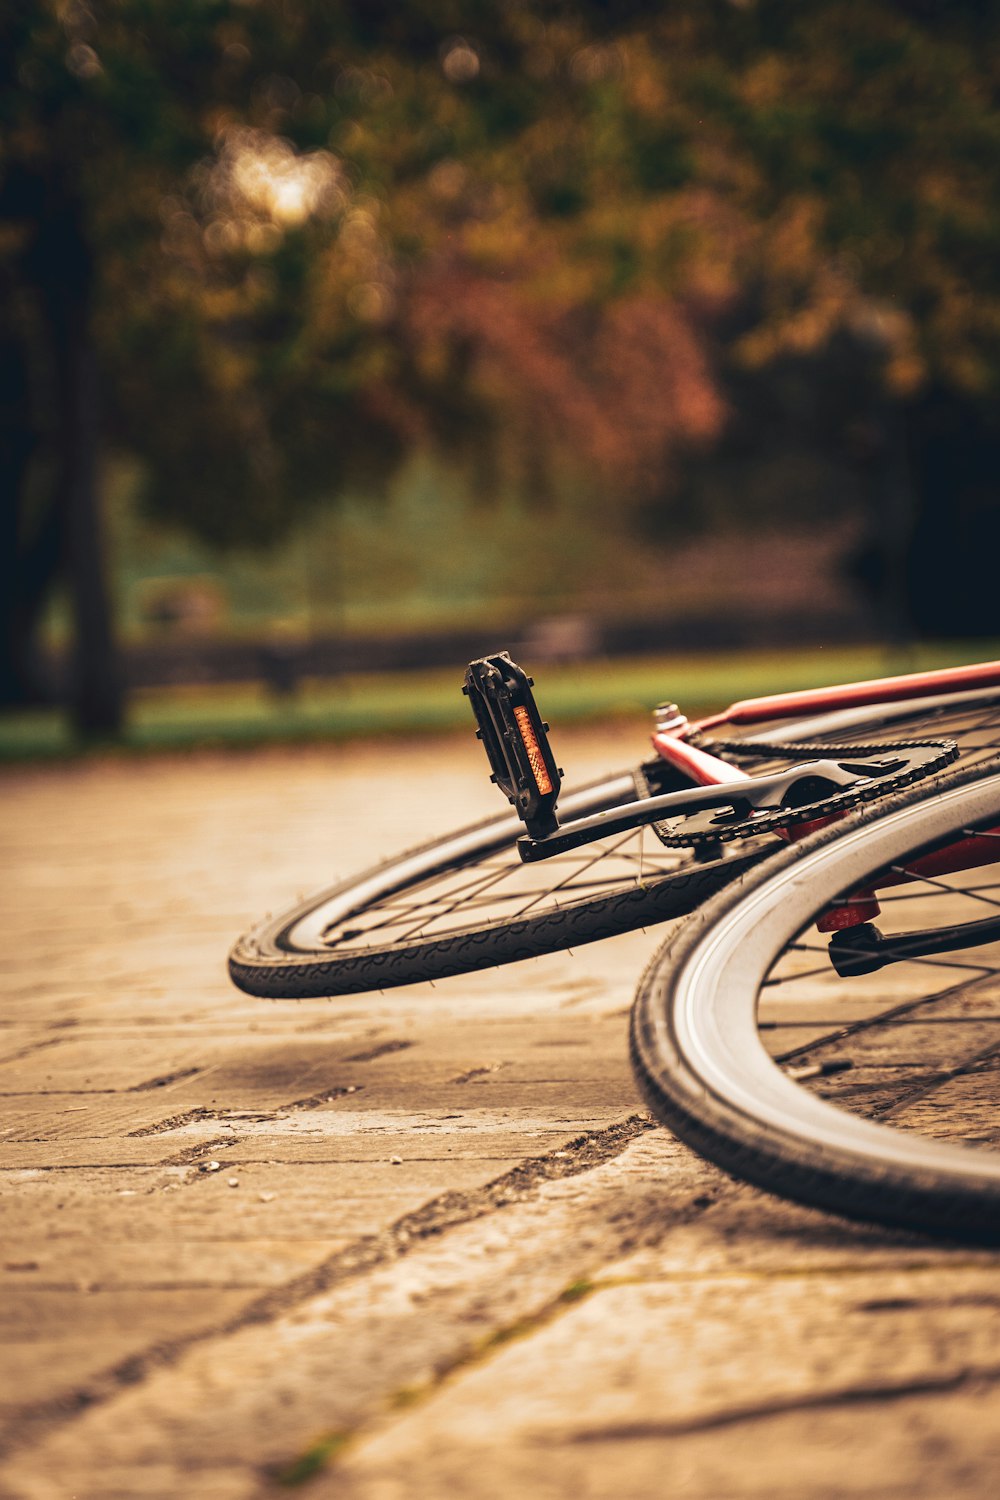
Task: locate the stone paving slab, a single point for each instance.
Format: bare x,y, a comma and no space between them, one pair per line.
420,1243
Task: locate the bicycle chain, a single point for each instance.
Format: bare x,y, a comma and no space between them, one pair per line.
673,835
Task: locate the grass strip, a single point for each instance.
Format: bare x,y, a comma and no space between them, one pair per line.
408,703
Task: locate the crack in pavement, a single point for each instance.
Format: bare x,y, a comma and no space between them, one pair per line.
735,1416
383,1049
224,1116
163,1081
333,1446
449,1210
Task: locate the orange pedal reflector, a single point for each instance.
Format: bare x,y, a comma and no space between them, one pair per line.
535,758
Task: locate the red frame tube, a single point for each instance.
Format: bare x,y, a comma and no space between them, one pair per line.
964,854
707,770
856,695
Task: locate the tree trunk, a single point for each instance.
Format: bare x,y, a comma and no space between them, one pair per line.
95,690
27,560
95,684
955,447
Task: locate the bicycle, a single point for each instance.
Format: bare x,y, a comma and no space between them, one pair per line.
561,871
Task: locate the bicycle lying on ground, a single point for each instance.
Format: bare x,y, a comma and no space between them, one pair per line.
779,1031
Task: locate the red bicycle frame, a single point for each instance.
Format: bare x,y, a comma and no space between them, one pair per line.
671,743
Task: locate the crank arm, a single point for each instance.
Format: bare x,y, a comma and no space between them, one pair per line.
801,786
812,779
623,819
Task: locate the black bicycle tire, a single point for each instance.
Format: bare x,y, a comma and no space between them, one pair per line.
725,1107
259,964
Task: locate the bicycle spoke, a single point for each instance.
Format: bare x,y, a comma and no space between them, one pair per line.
458,898
942,885
456,902
897,1015
935,1081
501,886
561,884
806,974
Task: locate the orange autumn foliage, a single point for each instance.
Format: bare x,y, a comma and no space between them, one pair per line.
619,388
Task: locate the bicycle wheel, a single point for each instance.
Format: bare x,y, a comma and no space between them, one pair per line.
467,902
875,1094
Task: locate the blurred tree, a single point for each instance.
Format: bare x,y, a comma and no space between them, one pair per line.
857,144
236,222
99,109
289,240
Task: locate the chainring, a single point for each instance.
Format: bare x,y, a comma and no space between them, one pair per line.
723,824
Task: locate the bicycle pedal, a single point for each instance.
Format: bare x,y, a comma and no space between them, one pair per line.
515,738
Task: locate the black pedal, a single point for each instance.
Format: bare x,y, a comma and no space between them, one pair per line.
516,740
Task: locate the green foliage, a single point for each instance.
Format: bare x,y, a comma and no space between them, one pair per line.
326,232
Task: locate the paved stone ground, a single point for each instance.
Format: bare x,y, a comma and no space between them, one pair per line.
418,1244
